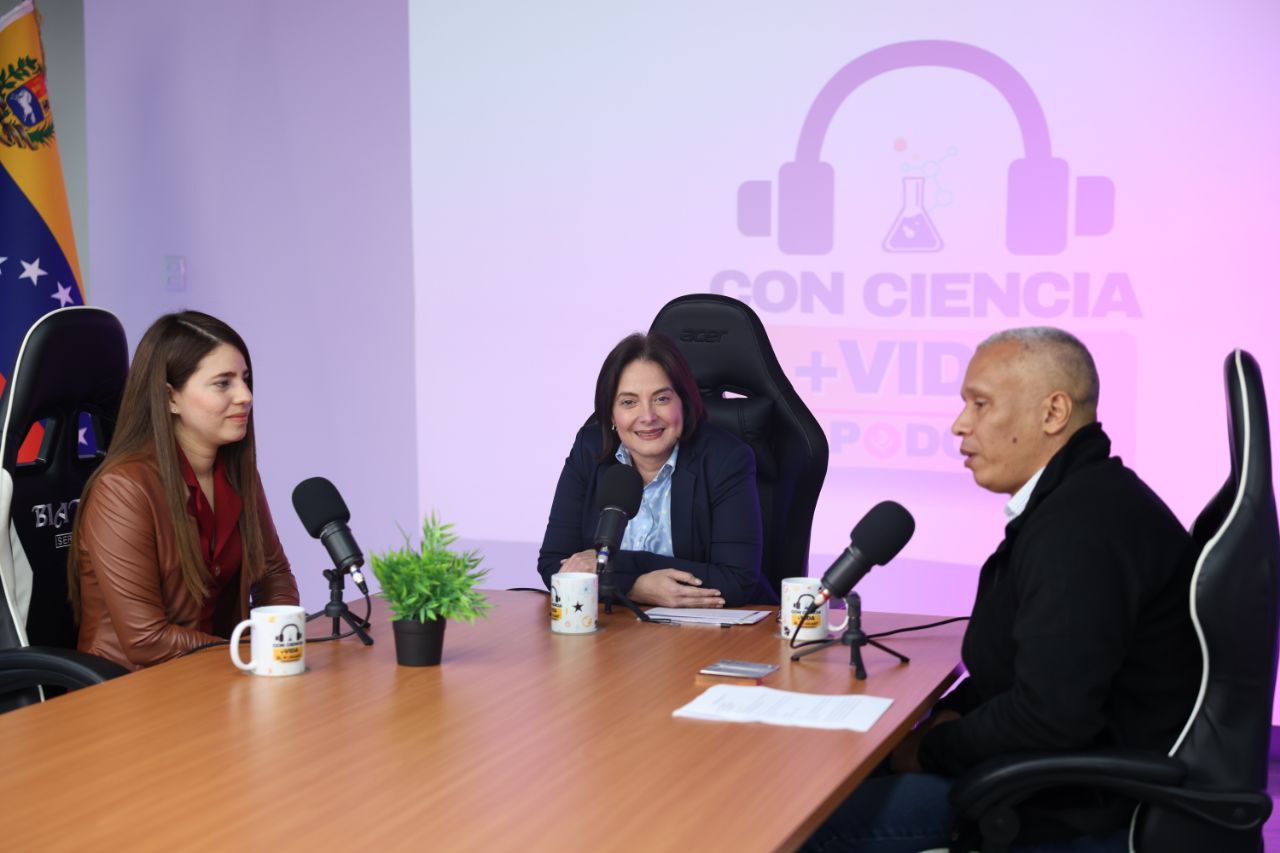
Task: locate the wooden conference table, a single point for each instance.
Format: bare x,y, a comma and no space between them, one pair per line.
521,740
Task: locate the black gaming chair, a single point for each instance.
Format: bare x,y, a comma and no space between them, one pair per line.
72,360
1210,792
729,352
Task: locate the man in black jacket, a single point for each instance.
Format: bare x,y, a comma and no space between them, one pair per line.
1080,636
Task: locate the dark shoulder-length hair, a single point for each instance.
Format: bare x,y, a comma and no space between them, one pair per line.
167,355
662,351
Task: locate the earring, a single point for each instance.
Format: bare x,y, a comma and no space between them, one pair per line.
613,427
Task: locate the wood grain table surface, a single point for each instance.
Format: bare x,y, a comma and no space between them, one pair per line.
520,740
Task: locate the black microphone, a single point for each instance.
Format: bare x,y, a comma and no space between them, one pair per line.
325,515
619,500
875,540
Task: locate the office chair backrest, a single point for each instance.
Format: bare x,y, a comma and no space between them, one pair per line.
729,352
15,579
72,361
1234,606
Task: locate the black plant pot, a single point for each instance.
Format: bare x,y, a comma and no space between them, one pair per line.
418,643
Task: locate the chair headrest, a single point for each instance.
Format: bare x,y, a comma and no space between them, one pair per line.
72,360
1248,422
727,344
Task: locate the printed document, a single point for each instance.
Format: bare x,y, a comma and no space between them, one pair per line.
734,704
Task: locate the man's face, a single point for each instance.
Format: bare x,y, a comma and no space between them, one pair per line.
1001,425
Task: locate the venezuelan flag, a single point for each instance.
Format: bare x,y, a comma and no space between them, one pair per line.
39,270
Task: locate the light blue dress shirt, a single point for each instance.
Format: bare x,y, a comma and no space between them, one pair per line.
650,530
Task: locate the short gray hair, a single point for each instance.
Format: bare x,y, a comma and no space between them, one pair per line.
1067,352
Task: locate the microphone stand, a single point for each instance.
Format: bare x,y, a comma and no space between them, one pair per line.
338,611
607,591
853,637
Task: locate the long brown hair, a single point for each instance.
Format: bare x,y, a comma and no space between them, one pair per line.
167,355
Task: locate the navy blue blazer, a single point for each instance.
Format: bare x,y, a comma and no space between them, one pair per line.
715,516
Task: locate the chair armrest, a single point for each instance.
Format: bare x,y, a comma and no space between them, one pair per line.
37,665
1023,774
989,794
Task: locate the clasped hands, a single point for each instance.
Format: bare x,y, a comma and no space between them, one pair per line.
663,587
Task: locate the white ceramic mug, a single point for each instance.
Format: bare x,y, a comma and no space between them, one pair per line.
575,599
798,594
279,641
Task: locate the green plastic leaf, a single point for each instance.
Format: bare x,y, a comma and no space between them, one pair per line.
431,581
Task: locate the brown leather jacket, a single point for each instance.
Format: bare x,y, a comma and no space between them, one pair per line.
135,608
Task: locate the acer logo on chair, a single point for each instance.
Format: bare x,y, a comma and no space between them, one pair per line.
702,336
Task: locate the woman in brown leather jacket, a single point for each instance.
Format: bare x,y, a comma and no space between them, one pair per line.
173,536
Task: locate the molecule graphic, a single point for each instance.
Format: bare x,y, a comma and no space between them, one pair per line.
913,229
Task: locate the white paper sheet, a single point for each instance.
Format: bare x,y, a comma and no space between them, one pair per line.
735,704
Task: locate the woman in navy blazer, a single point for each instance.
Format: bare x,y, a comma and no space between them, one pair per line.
697,539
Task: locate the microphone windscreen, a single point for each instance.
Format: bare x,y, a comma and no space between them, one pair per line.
318,503
883,531
621,487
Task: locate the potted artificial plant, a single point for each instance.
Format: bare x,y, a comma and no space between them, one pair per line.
427,586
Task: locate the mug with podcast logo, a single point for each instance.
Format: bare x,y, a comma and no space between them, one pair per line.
278,643
798,595
574,602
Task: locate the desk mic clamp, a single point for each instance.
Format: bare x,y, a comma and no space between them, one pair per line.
853,637
337,609
608,593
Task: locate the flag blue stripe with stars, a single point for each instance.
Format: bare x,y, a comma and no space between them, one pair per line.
35,277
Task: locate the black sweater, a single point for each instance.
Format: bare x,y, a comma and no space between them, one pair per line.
1081,633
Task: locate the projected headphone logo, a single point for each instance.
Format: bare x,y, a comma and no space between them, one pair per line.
1037,210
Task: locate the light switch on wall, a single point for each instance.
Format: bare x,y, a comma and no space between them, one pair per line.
175,273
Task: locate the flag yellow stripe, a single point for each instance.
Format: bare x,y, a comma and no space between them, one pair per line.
38,173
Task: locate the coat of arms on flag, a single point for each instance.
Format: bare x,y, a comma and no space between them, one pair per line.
25,118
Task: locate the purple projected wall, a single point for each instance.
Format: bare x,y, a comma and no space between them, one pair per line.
884,193
225,134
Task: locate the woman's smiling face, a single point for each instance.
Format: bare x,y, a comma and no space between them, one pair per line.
647,413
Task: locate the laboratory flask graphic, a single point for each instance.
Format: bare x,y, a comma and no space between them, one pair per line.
1038,189
913,230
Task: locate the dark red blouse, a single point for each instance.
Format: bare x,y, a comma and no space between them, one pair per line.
219,529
